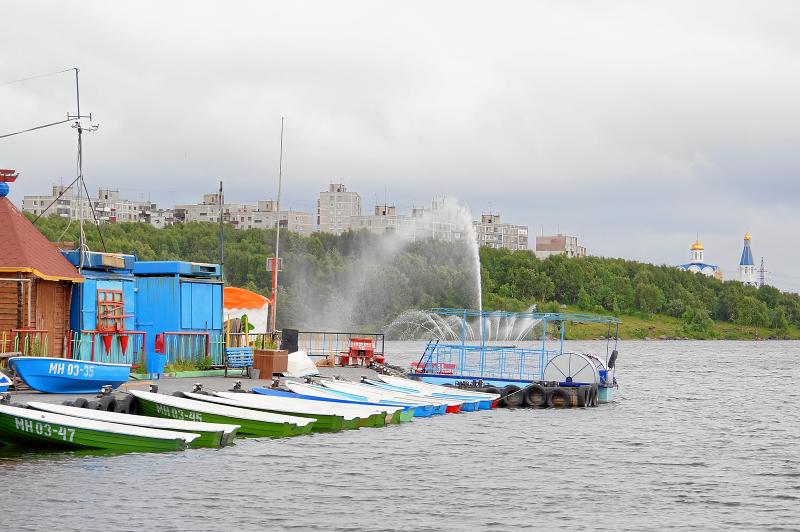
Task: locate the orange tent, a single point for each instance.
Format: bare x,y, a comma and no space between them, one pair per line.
237,302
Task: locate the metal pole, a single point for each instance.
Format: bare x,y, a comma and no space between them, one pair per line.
273,310
221,234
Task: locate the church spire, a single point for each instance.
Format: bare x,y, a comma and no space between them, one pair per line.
747,268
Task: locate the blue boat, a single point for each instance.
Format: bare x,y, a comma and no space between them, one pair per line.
5,382
62,375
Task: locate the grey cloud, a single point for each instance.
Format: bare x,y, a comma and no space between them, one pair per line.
630,124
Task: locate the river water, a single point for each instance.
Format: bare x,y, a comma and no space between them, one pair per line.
703,435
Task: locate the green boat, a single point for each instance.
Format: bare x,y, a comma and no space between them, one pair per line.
24,426
251,423
211,434
331,416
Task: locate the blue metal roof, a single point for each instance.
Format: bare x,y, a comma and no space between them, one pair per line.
747,255
94,260
192,269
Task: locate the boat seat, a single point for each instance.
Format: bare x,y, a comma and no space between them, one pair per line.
239,358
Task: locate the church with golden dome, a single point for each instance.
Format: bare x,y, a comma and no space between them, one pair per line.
697,263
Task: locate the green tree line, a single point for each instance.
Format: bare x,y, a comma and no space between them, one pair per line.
618,286
361,280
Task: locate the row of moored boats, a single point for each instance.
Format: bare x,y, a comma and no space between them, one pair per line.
214,419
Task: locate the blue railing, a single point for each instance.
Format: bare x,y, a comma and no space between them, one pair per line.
485,362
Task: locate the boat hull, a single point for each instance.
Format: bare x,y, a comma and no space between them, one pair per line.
325,394
404,415
19,430
5,382
472,400
209,435
248,427
61,375
371,392
605,395
323,423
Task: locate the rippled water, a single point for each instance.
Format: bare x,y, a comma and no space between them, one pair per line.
703,435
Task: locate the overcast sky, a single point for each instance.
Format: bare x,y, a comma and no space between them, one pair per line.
633,125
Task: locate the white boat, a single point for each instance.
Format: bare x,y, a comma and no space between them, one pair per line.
310,407
469,403
427,388
453,405
228,431
327,419
252,422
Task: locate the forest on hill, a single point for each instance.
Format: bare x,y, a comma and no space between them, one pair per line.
359,281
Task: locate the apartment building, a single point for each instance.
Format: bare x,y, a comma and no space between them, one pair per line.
491,232
384,220
559,244
263,215
336,207
107,206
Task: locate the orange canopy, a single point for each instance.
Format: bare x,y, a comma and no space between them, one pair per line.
240,298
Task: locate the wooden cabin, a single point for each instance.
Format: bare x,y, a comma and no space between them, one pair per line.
36,284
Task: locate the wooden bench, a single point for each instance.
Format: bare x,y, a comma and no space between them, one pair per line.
239,358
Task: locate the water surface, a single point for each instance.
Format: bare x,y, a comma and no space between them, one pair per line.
703,435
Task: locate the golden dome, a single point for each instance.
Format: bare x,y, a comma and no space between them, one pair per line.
697,246
747,235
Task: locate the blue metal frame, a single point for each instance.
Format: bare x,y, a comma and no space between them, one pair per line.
482,362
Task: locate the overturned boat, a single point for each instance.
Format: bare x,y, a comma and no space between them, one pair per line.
62,375
210,434
251,422
33,427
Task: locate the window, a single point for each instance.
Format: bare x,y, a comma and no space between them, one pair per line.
110,310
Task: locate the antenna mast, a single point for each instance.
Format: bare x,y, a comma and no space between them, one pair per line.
82,247
762,277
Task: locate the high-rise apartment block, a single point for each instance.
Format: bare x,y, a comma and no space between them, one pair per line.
336,207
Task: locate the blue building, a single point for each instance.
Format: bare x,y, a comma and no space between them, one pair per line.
183,302
102,314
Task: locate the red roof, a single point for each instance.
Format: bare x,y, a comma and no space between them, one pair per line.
24,249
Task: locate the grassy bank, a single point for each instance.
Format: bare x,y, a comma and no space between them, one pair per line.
654,327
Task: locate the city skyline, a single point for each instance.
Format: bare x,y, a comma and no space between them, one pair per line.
543,115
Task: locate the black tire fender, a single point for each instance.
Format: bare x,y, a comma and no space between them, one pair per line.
512,397
491,389
558,398
80,402
536,396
